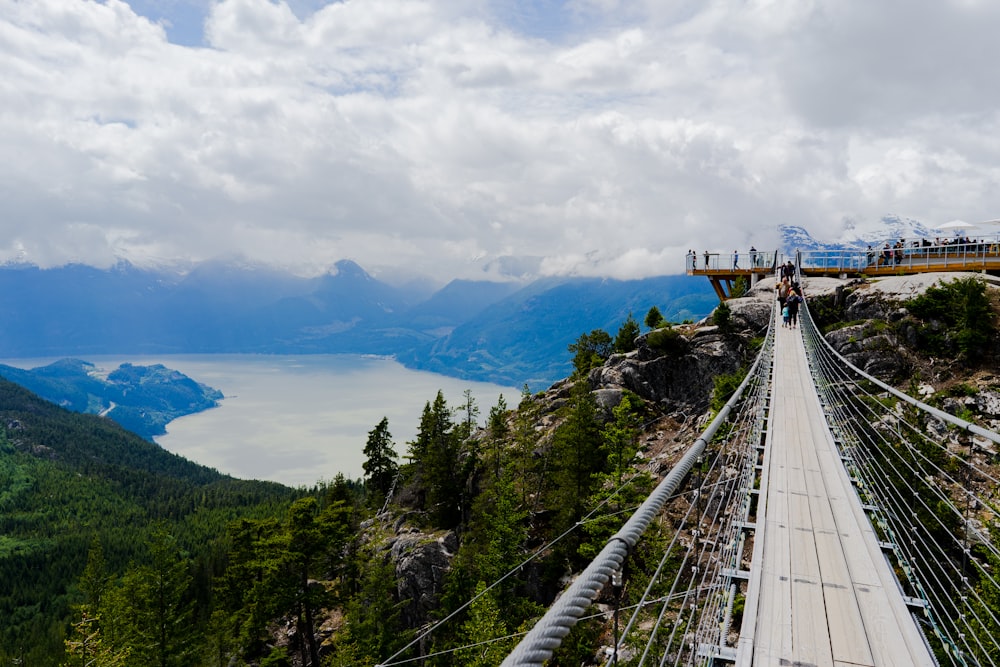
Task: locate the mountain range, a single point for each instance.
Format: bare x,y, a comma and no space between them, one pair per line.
889,229
507,333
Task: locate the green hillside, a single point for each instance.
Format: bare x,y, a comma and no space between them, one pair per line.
143,399
68,481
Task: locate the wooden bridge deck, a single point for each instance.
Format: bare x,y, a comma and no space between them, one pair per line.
821,593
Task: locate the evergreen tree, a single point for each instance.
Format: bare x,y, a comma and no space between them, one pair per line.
310,535
380,465
590,350
469,413
654,318
722,316
577,457
436,451
627,333
620,435
86,646
151,611
499,432
95,579
481,632
373,628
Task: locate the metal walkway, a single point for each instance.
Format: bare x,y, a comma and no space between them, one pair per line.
821,593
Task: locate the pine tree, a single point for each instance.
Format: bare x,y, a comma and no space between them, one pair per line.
627,333
499,432
86,646
95,579
576,458
484,633
590,350
654,318
151,612
373,625
380,465
436,455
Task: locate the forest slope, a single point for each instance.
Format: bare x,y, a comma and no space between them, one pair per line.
67,480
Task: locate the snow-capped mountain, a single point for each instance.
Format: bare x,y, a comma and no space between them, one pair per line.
890,228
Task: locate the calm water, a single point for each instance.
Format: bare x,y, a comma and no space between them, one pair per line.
300,419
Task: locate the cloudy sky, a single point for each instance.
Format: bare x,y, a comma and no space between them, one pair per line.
464,138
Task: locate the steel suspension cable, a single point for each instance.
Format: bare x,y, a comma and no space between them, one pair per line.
547,634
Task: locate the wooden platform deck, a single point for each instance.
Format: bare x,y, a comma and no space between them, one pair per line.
821,592
724,270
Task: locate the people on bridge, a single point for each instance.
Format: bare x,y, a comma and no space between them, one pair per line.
692,260
782,288
788,270
792,303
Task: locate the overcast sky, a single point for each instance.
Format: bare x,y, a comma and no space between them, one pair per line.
456,138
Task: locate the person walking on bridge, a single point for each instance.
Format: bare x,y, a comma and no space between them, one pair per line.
736,259
793,302
782,288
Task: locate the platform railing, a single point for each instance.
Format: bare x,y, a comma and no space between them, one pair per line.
915,256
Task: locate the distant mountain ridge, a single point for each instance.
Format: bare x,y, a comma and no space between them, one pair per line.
509,333
890,229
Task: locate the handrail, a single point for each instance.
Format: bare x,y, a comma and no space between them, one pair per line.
940,414
547,634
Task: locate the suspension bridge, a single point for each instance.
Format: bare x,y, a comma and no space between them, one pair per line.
825,519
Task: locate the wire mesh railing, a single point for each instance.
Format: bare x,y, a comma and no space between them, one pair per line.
928,480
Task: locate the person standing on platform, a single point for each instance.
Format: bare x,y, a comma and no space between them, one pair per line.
753,257
736,259
706,260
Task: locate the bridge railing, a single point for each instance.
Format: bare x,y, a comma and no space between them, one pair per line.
929,489
547,634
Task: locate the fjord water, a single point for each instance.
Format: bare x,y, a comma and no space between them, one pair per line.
300,419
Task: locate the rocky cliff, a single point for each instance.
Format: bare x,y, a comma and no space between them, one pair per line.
673,371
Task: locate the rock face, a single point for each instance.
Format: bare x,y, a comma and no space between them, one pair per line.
421,563
680,379
679,383
878,354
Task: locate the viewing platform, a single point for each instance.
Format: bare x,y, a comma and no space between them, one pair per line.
724,272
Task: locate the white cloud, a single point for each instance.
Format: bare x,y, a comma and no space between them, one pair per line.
591,137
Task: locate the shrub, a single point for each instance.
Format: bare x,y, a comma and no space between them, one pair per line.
723,318
724,386
955,314
667,341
